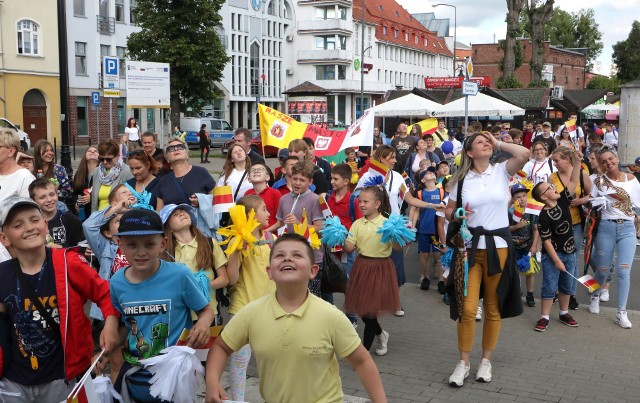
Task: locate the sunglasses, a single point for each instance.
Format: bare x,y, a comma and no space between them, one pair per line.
606,149
550,187
136,152
105,159
176,147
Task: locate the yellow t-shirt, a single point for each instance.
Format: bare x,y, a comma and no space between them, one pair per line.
253,282
186,254
575,210
369,244
445,137
103,197
295,352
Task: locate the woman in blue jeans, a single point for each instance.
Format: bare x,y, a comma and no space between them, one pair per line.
616,230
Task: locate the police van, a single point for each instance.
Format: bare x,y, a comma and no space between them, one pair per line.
220,131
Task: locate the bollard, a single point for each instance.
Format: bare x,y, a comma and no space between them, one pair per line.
74,148
55,150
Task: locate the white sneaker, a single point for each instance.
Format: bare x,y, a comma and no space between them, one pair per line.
604,295
479,313
539,256
594,306
382,339
484,371
622,320
399,313
459,374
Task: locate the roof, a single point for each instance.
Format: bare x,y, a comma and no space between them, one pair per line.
306,88
391,15
576,100
440,26
526,98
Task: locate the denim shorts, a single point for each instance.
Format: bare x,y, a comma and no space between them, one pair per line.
555,280
425,244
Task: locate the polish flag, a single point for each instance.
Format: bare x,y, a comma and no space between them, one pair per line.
202,351
589,282
533,207
222,199
326,211
377,167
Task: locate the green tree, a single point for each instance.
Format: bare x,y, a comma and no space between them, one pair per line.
604,83
626,56
183,34
509,62
539,13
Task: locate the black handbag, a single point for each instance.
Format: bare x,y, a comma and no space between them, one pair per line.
333,277
454,226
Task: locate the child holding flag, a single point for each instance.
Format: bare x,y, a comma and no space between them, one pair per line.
559,262
521,227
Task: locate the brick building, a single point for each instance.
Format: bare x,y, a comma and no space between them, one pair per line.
564,67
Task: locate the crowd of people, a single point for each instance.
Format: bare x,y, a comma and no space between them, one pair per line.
135,232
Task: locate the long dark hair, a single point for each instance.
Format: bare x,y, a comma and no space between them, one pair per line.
129,122
204,253
81,179
381,195
38,163
229,165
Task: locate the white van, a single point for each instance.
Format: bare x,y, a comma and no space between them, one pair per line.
220,131
25,143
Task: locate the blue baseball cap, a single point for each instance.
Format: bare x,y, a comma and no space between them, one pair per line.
518,187
138,222
638,161
167,210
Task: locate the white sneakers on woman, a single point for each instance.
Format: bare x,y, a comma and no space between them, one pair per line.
462,372
622,320
484,371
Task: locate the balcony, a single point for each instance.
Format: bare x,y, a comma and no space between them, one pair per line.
325,26
325,55
106,25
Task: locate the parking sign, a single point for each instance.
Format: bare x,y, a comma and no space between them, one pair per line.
95,98
111,75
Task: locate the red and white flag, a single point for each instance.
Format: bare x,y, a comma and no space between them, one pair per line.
222,199
377,167
324,206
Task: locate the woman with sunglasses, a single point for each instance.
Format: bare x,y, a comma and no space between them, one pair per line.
111,172
143,167
235,172
185,180
44,164
616,231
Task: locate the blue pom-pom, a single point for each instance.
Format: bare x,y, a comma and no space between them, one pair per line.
333,232
395,229
374,181
204,284
524,264
445,259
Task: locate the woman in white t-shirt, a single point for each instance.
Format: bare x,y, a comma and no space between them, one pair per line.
540,168
491,257
133,134
235,172
616,230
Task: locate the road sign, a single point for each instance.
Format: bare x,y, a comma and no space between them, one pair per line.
111,93
469,68
469,88
95,98
111,74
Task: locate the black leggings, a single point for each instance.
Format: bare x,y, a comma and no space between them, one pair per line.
204,151
371,329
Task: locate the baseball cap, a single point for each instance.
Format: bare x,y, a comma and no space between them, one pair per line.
11,203
637,160
283,153
518,187
546,124
424,172
138,222
167,210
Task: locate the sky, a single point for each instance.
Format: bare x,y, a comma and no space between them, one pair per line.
483,21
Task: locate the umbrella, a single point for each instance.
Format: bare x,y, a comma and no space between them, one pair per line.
601,107
408,105
480,105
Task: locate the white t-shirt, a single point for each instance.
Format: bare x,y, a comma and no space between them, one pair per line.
133,133
610,212
488,196
393,185
234,180
538,171
441,214
611,138
16,184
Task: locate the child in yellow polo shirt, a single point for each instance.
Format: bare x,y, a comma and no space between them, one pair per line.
295,336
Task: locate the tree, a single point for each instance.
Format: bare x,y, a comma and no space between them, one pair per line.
604,83
514,7
183,34
626,56
539,15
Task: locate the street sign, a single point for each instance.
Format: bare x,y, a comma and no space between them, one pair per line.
111,75
454,82
111,93
469,88
469,68
95,98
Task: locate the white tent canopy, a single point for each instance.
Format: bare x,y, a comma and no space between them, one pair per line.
601,107
479,105
408,105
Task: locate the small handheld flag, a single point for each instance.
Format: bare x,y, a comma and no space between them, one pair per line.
202,351
222,199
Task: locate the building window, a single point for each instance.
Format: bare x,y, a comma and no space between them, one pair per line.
133,5
326,13
151,120
384,31
359,105
122,120
122,59
255,69
406,36
105,50
325,72
28,38
81,58
329,42
395,34
120,11
342,12
81,112
78,8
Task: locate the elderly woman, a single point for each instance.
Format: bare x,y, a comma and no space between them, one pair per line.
185,180
111,172
43,164
616,231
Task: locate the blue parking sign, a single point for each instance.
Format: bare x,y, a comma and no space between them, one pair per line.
95,98
111,66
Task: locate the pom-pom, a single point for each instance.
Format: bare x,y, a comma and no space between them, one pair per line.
143,199
395,229
535,266
374,181
204,284
445,259
240,234
333,232
174,374
523,264
307,231
355,178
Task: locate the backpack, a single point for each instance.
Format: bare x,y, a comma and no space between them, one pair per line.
419,194
352,204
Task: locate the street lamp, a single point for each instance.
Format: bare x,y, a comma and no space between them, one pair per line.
362,64
455,31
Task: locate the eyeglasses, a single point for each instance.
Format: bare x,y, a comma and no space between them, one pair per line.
257,170
105,159
176,147
550,187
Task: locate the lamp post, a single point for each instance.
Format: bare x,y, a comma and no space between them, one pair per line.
65,152
362,64
455,31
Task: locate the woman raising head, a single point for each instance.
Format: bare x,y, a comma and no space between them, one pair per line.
82,182
43,162
540,167
235,172
143,167
111,172
616,231
413,162
181,185
483,190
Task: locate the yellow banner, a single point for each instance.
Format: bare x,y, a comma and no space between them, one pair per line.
278,129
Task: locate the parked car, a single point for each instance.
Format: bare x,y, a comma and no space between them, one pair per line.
220,131
256,145
25,143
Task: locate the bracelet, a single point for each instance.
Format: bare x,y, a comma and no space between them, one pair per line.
500,145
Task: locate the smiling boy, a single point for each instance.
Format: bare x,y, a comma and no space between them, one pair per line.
295,337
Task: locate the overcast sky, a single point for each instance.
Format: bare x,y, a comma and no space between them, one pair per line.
482,21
